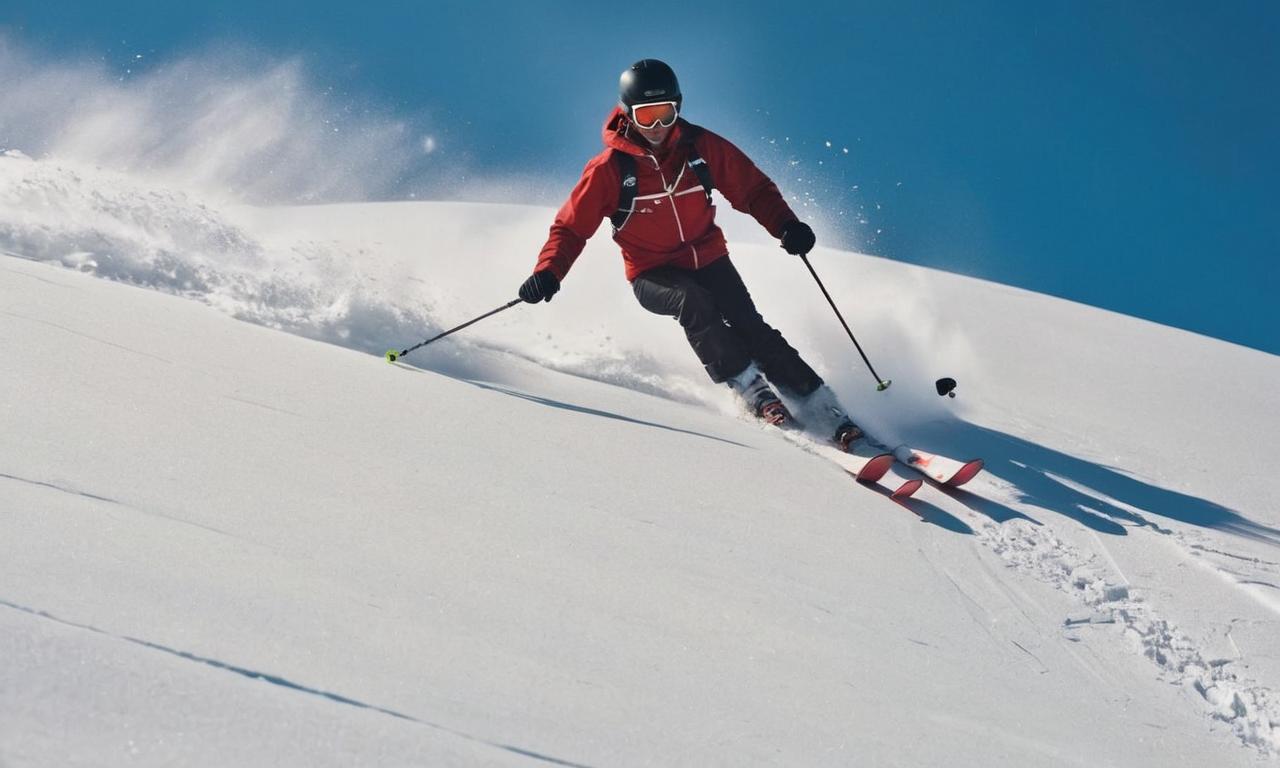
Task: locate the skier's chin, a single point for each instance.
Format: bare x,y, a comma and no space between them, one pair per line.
656,136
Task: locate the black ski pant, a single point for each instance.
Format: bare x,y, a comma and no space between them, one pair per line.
723,325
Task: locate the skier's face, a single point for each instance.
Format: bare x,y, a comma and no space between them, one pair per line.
654,120
655,135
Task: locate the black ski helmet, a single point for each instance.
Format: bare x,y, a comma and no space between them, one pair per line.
646,81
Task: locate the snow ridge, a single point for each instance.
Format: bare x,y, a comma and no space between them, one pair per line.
169,239
105,224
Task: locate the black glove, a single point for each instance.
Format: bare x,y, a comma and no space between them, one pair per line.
540,286
797,238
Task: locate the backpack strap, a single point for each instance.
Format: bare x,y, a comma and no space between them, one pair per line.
627,172
627,195
696,163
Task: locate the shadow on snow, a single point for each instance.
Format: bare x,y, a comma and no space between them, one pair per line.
1103,498
1100,497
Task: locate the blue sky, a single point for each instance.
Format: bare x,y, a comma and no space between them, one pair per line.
1119,154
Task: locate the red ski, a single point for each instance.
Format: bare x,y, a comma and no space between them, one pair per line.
867,462
939,469
906,489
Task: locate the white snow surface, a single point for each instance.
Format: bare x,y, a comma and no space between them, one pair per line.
549,540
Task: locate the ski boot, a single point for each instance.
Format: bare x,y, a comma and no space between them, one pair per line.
847,434
822,411
774,412
760,397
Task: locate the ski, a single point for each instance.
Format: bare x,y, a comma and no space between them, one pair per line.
940,469
867,462
906,489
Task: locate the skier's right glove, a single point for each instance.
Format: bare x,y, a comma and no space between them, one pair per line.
797,238
540,286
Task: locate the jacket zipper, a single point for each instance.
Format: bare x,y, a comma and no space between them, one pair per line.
671,196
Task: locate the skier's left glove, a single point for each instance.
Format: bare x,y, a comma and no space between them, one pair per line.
540,286
797,238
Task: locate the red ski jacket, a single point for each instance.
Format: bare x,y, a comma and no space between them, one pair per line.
671,222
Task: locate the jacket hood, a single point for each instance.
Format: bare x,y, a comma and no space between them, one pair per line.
616,135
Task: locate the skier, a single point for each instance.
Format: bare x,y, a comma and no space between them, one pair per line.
654,181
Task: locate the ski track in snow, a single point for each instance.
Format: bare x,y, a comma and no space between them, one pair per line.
281,682
1251,709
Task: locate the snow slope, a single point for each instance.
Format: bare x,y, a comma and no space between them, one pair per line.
549,540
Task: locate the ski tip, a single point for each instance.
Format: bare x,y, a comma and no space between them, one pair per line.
906,489
875,468
966,473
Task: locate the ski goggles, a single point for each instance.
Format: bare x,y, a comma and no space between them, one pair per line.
650,116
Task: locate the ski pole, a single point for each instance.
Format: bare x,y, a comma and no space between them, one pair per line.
881,384
393,355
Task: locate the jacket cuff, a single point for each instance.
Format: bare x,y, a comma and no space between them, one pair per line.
782,221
